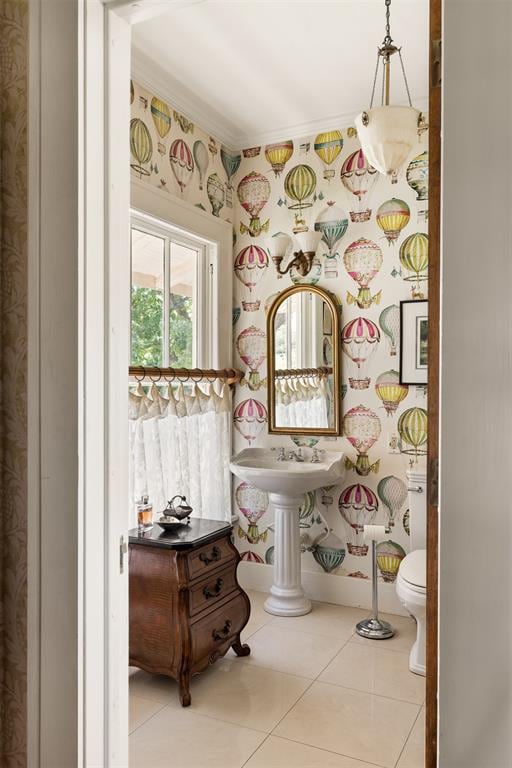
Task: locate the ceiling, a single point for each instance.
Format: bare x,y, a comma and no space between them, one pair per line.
254,71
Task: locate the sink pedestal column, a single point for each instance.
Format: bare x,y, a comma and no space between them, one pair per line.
286,595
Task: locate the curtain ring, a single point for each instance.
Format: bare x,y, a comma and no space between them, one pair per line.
155,381
198,373
140,379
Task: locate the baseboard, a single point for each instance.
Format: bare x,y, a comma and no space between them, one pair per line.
329,588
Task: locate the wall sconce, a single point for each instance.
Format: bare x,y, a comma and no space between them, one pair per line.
307,243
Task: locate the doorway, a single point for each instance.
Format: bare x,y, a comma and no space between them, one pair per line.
117,26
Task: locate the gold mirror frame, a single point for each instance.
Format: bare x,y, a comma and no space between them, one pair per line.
336,363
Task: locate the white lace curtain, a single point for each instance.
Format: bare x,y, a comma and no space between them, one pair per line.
302,403
180,443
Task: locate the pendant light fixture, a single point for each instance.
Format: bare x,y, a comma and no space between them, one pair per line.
388,133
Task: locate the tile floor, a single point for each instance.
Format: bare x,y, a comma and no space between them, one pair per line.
312,694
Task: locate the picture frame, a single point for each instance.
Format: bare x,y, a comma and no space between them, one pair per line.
414,342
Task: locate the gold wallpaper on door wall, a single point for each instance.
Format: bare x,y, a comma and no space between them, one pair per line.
13,389
373,255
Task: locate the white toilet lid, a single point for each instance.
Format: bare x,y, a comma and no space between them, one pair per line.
413,568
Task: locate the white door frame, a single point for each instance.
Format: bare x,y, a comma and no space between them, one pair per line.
79,198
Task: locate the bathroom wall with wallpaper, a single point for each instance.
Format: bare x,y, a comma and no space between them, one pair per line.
367,219
177,157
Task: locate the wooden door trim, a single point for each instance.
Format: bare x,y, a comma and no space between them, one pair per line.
434,229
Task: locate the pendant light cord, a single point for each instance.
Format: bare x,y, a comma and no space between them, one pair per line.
386,44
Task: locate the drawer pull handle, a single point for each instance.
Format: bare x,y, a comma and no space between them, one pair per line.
214,555
221,634
214,591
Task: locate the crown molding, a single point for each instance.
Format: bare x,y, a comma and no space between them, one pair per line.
150,75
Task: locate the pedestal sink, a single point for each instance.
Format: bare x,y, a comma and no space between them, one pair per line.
286,482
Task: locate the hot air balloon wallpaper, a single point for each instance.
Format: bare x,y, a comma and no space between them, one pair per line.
329,553
393,493
392,217
250,264
361,427
363,259
412,428
161,115
216,192
253,504
389,556
278,155
183,122
287,179
359,177
182,163
390,391
406,522
389,321
253,193
201,159
358,506
300,186
250,418
251,345
141,146
417,175
251,557
231,163
132,92
359,339
332,222
328,146
413,255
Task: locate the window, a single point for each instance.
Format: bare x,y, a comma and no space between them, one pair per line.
172,286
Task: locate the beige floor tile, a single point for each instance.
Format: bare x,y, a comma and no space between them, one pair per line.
405,634
413,755
325,619
180,738
141,710
246,695
359,725
281,753
296,653
374,669
259,617
155,687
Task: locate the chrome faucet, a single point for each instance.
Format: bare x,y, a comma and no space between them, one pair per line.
295,455
316,456
281,455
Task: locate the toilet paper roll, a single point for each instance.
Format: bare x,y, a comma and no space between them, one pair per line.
374,532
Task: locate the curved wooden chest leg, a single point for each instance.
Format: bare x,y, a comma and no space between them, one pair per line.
184,685
241,649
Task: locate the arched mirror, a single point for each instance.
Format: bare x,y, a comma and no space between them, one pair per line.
304,367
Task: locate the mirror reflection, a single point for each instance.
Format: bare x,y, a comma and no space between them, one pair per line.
303,363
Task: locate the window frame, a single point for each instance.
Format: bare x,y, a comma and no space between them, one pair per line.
204,341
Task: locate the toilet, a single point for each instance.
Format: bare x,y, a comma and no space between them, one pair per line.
411,582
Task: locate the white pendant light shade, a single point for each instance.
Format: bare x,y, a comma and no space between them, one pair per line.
308,241
387,135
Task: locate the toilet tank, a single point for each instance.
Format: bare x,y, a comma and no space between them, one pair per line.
417,498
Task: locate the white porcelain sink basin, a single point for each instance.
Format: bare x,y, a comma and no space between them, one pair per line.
286,482
259,467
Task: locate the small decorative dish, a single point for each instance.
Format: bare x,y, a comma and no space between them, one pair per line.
174,517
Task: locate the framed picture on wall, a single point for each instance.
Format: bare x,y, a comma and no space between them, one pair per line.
413,342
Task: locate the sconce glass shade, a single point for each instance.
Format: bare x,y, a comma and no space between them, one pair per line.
278,245
308,241
387,135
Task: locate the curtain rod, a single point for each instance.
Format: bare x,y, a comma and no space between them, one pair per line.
230,375
296,373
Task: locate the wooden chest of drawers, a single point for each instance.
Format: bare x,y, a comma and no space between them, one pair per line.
186,606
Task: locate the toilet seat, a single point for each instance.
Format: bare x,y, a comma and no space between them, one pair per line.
413,570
